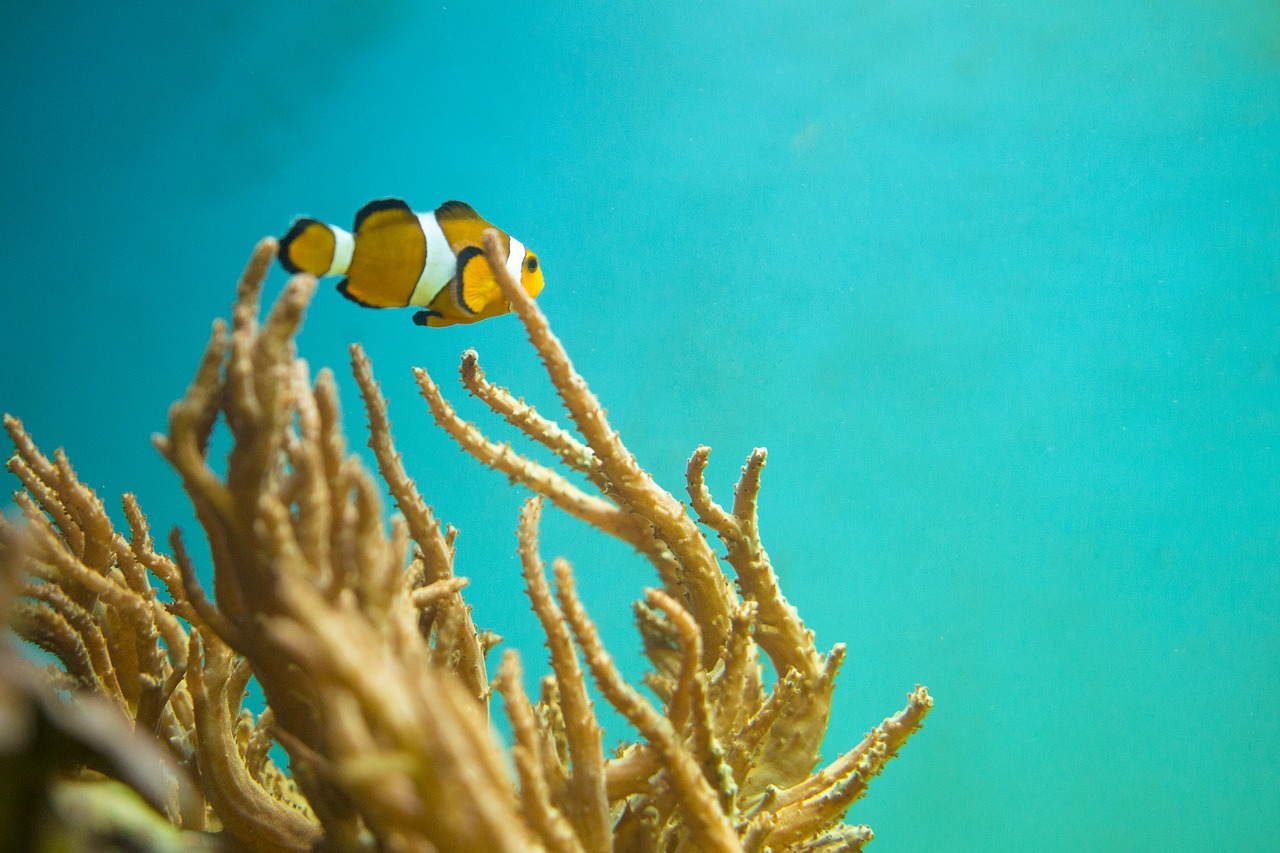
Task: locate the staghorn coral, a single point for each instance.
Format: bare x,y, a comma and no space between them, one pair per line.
375,677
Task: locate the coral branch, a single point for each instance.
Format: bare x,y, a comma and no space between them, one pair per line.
709,597
545,481
586,804
436,550
550,824
524,417
779,630
423,527
250,814
373,670
708,826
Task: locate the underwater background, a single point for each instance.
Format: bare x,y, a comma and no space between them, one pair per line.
997,284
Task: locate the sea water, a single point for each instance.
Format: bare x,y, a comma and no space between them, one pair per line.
997,284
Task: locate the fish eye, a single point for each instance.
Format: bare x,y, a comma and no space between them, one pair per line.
532,264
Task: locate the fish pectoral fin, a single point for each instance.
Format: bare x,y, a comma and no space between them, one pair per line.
477,290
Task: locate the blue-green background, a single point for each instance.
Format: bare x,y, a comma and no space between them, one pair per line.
997,284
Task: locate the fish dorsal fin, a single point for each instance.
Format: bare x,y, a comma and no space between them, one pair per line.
456,210
477,289
394,209
461,225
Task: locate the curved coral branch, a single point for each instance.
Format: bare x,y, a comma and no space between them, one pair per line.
525,417
709,597
585,802
708,826
548,821
436,550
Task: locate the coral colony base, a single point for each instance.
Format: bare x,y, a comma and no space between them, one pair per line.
375,677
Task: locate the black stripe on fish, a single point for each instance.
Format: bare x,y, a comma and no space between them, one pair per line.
464,257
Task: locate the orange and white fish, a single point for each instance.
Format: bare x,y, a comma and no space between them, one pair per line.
396,258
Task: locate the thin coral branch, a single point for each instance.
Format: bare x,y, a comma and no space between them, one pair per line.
709,512
548,821
88,513
555,738
804,818
39,477
525,417
435,547
433,593
602,513
686,691
190,423
86,641
92,584
689,709
195,596
738,693
824,797
423,527
313,527
780,632
250,814
709,597
748,747
162,567
586,805
48,628
709,828
545,481
790,754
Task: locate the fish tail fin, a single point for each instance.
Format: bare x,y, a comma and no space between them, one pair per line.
313,247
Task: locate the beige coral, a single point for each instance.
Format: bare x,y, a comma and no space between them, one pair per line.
374,673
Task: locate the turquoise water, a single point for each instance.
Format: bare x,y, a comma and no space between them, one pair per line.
998,285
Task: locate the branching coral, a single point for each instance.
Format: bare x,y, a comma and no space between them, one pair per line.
374,674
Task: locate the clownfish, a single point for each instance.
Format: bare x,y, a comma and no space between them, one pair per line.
394,258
